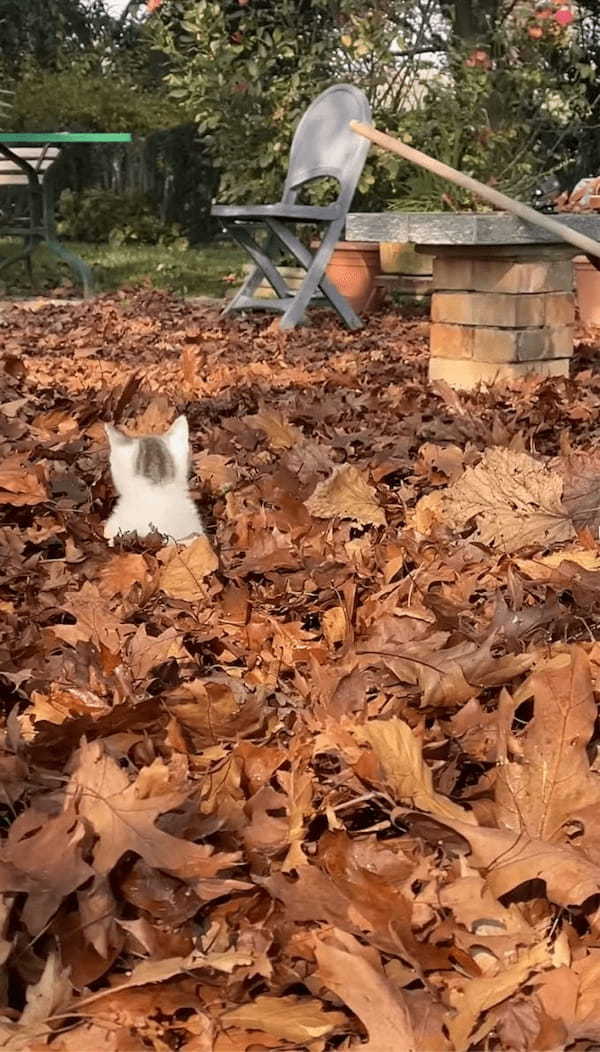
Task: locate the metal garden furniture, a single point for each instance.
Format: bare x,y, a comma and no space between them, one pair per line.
323,146
26,160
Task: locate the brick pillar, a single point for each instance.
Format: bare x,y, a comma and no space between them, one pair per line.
499,312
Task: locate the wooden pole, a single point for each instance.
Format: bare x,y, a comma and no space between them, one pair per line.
562,233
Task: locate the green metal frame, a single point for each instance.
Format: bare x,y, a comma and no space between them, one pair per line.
39,226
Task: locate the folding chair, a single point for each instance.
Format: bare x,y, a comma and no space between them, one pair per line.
323,145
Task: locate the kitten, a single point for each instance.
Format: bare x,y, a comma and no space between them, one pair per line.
151,478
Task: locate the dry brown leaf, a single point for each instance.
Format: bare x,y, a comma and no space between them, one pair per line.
346,495
513,501
367,992
281,434
217,709
216,471
510,860
146,652
291,1018
124,820
161,970
542,568
481,994
96,623
122,572
404,771
429,511
188,364
21,483
335,625
51,994
42,857
234,1040
57,706
184,569
581,488
155,420
551,780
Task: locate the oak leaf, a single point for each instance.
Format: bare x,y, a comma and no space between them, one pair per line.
122,572
217,709
146,652
346,495
216,471
481,994
51,994
124,820
42,857
95,621
581,493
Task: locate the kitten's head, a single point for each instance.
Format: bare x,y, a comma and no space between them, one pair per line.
157,459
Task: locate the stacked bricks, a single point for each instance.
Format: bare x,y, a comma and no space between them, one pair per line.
501,313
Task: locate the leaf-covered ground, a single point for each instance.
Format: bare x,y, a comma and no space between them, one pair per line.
331,783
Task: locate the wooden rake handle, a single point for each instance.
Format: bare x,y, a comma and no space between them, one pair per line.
562,233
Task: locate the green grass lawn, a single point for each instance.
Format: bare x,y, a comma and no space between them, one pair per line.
189,271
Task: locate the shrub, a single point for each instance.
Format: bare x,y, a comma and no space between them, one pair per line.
103,215
82,99
475,84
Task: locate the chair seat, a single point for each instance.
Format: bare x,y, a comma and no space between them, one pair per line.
308,213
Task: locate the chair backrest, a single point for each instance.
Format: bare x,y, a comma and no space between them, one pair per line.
39,157
324,145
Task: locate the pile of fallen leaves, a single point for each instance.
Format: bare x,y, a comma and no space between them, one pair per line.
331,780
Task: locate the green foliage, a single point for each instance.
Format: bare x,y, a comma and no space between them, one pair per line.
465,82
247,73
103,215
48,32
79,98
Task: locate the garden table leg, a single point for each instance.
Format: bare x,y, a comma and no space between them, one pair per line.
42,224
55,246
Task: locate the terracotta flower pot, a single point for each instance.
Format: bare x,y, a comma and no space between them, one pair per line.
587,287
353,269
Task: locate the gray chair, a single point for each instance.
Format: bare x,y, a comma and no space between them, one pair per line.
323,146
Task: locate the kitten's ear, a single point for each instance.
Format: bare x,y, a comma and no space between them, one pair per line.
116,437
177,437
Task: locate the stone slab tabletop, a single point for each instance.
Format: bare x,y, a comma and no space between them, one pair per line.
460,228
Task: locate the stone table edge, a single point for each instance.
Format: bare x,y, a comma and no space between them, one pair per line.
451,228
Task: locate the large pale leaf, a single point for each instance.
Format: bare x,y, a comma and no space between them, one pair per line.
551,778
367,992
346,495
404,771
512,500
185,568
290,1018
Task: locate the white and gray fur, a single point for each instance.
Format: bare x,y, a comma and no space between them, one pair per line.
150,475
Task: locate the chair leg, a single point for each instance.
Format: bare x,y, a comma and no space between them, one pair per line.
264,267
318,279
315,275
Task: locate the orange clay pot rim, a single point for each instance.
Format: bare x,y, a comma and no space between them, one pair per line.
356,246
352,246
